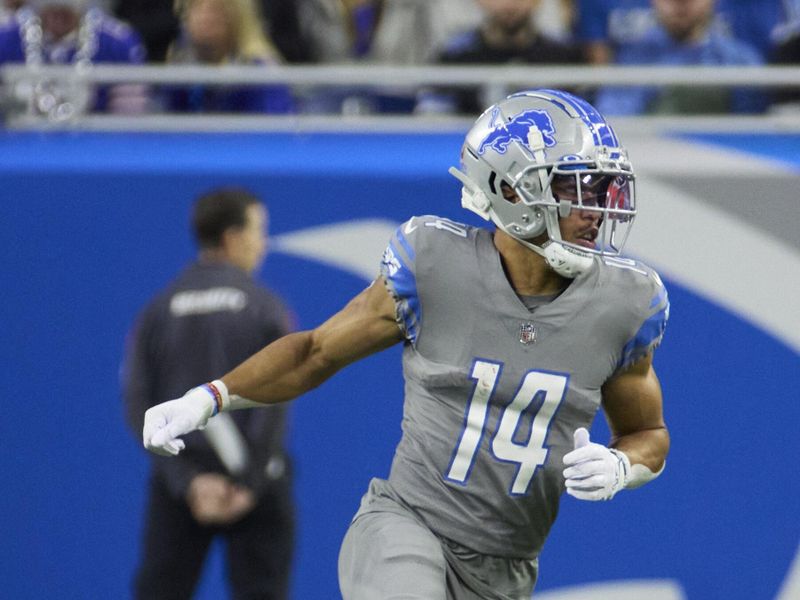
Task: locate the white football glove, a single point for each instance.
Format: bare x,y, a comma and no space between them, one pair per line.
164,423
593,471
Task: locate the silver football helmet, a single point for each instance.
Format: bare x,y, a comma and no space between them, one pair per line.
533,158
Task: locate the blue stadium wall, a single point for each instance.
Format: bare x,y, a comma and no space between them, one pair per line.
93,224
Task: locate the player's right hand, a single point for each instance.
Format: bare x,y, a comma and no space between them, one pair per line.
165,423
594,472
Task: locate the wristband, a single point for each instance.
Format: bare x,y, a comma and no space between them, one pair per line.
640,474
218,391
224,401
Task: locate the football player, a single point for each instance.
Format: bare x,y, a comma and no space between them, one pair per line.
513,338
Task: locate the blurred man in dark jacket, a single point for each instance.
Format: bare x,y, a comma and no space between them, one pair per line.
233,478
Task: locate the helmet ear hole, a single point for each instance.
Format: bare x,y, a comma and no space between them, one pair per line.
492,179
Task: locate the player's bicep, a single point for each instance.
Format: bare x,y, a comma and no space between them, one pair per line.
366,325
632,399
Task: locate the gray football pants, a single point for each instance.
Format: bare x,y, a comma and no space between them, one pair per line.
389,554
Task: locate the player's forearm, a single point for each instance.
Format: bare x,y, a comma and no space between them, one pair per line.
281,371
647,448
301,361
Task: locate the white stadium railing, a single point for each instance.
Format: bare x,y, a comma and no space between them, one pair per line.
494,82
389,75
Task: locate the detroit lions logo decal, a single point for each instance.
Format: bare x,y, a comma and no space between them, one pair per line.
516,130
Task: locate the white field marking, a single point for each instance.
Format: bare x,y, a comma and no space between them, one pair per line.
354,246
676,157
721,257
790,590
652,589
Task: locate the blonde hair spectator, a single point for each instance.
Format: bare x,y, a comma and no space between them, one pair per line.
217,32
224,30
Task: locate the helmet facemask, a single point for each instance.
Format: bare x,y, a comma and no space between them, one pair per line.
532,160
608,192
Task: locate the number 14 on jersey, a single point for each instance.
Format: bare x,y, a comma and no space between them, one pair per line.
550,388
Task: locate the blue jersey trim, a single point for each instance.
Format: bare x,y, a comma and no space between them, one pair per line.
406,246
649,335
659,298
404,284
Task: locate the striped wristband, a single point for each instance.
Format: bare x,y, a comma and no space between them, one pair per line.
219,403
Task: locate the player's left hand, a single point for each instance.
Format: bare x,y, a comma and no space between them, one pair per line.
593,471
165,423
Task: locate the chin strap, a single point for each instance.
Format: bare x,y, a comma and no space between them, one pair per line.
564,260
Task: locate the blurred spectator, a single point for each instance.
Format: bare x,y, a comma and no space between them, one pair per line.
507,34
684,33
786,37
752,21
398,32
9,7
556,19
603,25
282,25
159,25
219,32
156,22
384,31
452,17
606,25
70,32
404,32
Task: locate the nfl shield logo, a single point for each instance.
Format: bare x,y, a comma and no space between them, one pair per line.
527,333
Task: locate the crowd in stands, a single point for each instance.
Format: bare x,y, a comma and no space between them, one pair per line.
266,33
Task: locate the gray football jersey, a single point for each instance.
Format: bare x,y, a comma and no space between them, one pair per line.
493,391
